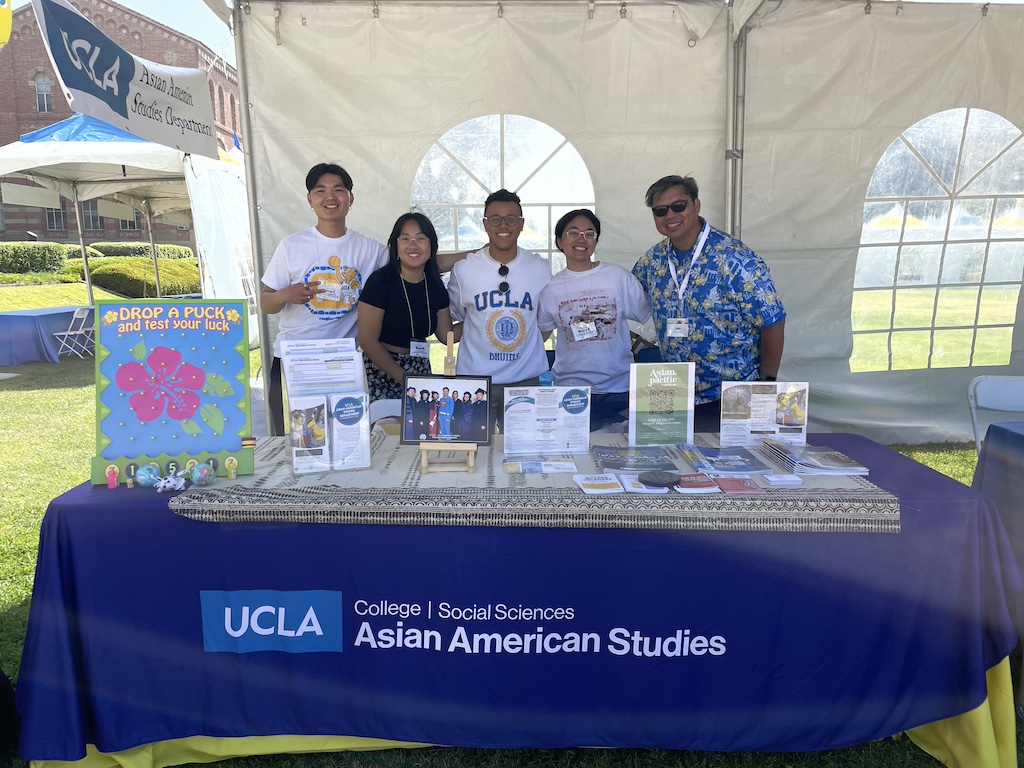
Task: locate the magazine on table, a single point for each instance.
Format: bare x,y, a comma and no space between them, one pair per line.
754,410
724,461
738,484
696,482
812,459
634,460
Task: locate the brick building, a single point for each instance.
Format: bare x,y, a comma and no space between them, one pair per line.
30,98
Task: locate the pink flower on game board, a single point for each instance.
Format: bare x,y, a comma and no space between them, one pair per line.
166,382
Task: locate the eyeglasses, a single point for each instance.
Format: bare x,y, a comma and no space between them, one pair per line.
503,272
420,240
573,234
495,221
677,207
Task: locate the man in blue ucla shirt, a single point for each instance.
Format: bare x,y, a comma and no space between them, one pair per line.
713,299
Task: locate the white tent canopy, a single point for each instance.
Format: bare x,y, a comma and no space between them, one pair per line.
786,107
83,158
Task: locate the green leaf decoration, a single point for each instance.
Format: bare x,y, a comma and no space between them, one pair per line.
190,427
218,386
139,351
213,417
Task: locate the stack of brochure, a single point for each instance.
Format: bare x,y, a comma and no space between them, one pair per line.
811,459
724,461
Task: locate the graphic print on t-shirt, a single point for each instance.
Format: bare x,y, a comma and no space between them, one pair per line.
341,286
601,311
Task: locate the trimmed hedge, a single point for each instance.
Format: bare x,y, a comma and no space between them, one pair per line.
32,257
75,252
133,277
142,249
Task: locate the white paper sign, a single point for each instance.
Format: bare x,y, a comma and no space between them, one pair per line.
547,420
320,366
754,410
165,105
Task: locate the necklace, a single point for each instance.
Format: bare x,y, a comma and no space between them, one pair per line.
408,305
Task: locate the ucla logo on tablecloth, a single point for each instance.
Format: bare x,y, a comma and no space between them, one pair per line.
247,621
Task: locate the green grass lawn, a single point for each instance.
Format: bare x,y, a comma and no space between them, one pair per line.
910,315
47,438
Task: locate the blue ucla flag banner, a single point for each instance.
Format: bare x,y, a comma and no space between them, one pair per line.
165,105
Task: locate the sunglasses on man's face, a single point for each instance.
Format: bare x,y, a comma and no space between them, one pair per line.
677,207
503,286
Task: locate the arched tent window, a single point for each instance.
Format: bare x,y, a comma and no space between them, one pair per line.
942,247
494,152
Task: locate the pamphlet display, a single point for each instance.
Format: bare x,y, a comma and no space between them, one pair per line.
172,388
547,419
327,432
328,408
754,410
661,403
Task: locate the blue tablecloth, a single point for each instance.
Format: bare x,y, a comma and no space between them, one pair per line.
26,335
813,640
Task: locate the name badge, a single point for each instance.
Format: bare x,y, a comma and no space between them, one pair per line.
331,292
678,328
419,349
582,331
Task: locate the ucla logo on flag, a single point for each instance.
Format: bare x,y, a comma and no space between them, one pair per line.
86,59
247,621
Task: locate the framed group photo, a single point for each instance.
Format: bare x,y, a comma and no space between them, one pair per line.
446,409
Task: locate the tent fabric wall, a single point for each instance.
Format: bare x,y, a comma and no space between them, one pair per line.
828,91
828,87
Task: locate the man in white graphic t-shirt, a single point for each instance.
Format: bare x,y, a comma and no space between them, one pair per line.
315,276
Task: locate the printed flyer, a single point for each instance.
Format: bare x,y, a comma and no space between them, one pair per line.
172,387
547,419
661,403
754,410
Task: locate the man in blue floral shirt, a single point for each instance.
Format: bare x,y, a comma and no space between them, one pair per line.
713,300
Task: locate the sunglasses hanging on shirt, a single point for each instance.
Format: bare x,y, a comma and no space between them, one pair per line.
503,286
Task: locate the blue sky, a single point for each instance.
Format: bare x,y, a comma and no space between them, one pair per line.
189,16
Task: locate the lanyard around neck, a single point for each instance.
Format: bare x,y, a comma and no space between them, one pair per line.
697,248
408,304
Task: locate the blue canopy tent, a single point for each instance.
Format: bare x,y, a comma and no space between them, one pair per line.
83,158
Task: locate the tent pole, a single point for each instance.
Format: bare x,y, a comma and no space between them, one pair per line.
266,352
730,123
147,209
739,127
81,242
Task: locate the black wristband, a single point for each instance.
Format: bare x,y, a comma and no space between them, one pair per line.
766,377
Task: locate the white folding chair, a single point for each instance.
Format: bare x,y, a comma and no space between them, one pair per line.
994,393
78,338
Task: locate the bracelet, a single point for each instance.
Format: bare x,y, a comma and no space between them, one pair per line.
767,377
